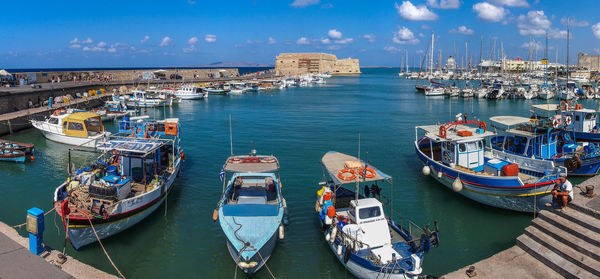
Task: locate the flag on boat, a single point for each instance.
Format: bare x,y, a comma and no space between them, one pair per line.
222,173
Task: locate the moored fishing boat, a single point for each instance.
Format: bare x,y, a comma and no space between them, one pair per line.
454,154
111,110
190,92
77,128
251,210
12,155
367,241
127,182
26,148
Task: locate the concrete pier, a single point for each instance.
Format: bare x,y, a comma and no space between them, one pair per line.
17,262
557,244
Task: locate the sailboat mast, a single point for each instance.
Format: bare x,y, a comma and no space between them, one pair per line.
431,57
568,22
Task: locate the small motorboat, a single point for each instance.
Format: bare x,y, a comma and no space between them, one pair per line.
77,128
12,155
251,210
26,148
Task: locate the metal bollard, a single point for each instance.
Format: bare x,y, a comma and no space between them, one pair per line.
35,227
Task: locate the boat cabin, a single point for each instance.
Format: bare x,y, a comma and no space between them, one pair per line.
466,153
367,216
583,120
78,124
526,137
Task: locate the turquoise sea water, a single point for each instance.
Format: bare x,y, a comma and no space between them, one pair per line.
298,125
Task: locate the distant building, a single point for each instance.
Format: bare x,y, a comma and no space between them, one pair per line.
451,63
590,62
315,63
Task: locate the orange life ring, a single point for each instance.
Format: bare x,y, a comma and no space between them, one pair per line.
59,112
370,173
563,105
443,132
352,175
482,126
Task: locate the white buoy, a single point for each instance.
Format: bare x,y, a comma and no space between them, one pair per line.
333,233
457,185
327,237
281,232
426,170
440,174
339,249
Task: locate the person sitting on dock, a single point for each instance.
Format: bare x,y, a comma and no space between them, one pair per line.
563,191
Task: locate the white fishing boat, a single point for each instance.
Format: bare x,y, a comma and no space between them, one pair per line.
141,99
434,91
77,128
125,184
190,92
365,238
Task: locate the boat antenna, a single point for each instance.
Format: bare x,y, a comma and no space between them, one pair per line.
230,137
356,192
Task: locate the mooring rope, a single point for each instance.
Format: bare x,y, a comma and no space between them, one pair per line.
105,253
265,263
46,213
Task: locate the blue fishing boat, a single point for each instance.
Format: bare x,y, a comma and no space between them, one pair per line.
11,155
366,240
126,183
546,139
581,122
251,210
456,155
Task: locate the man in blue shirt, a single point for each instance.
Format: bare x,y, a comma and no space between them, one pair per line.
563,191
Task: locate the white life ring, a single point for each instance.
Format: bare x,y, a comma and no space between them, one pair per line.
555,123
568,120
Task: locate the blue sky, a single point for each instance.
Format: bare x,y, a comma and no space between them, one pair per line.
194,32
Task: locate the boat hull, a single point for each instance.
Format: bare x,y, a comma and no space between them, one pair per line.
87,142
81,233
265,251
502,192
15,159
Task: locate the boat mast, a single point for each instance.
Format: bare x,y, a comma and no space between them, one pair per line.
230,137
568,22
357,183
406,60
431,57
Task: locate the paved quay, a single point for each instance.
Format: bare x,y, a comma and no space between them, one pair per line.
557,244
17,262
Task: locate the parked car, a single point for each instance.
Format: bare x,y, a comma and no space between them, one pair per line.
36,85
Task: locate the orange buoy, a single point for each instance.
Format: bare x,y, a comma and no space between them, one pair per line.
32,158
327,196
183,156
215,215
342,176
331,211
370,173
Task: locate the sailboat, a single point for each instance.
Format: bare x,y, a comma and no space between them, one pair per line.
367,241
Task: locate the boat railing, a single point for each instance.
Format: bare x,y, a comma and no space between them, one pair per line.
526,162
50,128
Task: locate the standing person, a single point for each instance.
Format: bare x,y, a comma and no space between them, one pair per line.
563,191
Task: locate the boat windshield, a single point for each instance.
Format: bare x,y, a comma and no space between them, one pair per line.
93,126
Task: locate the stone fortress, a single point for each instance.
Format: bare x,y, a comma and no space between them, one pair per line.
291,64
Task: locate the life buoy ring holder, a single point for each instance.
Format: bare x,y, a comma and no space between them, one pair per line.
443,132
59,112
370,173
268,160
563,105
352,175
483,126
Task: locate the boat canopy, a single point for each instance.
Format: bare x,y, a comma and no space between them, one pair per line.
433,132
508,122
248,163
334,162
132,145
81,124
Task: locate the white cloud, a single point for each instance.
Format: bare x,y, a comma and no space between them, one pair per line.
534,45
488,12
87,41
534,23
192,40
112,50
304,3
302,41
344,41
75,46
95,48
165,41
101,44
189,49
191,2
210,38
558,34
145,39
334,47
596,30
462,30
271,41
444,4
334,34
325,41
404,37
510,3
574,22
369,37
391,49
409,11
74,41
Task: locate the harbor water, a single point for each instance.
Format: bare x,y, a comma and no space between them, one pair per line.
298,125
